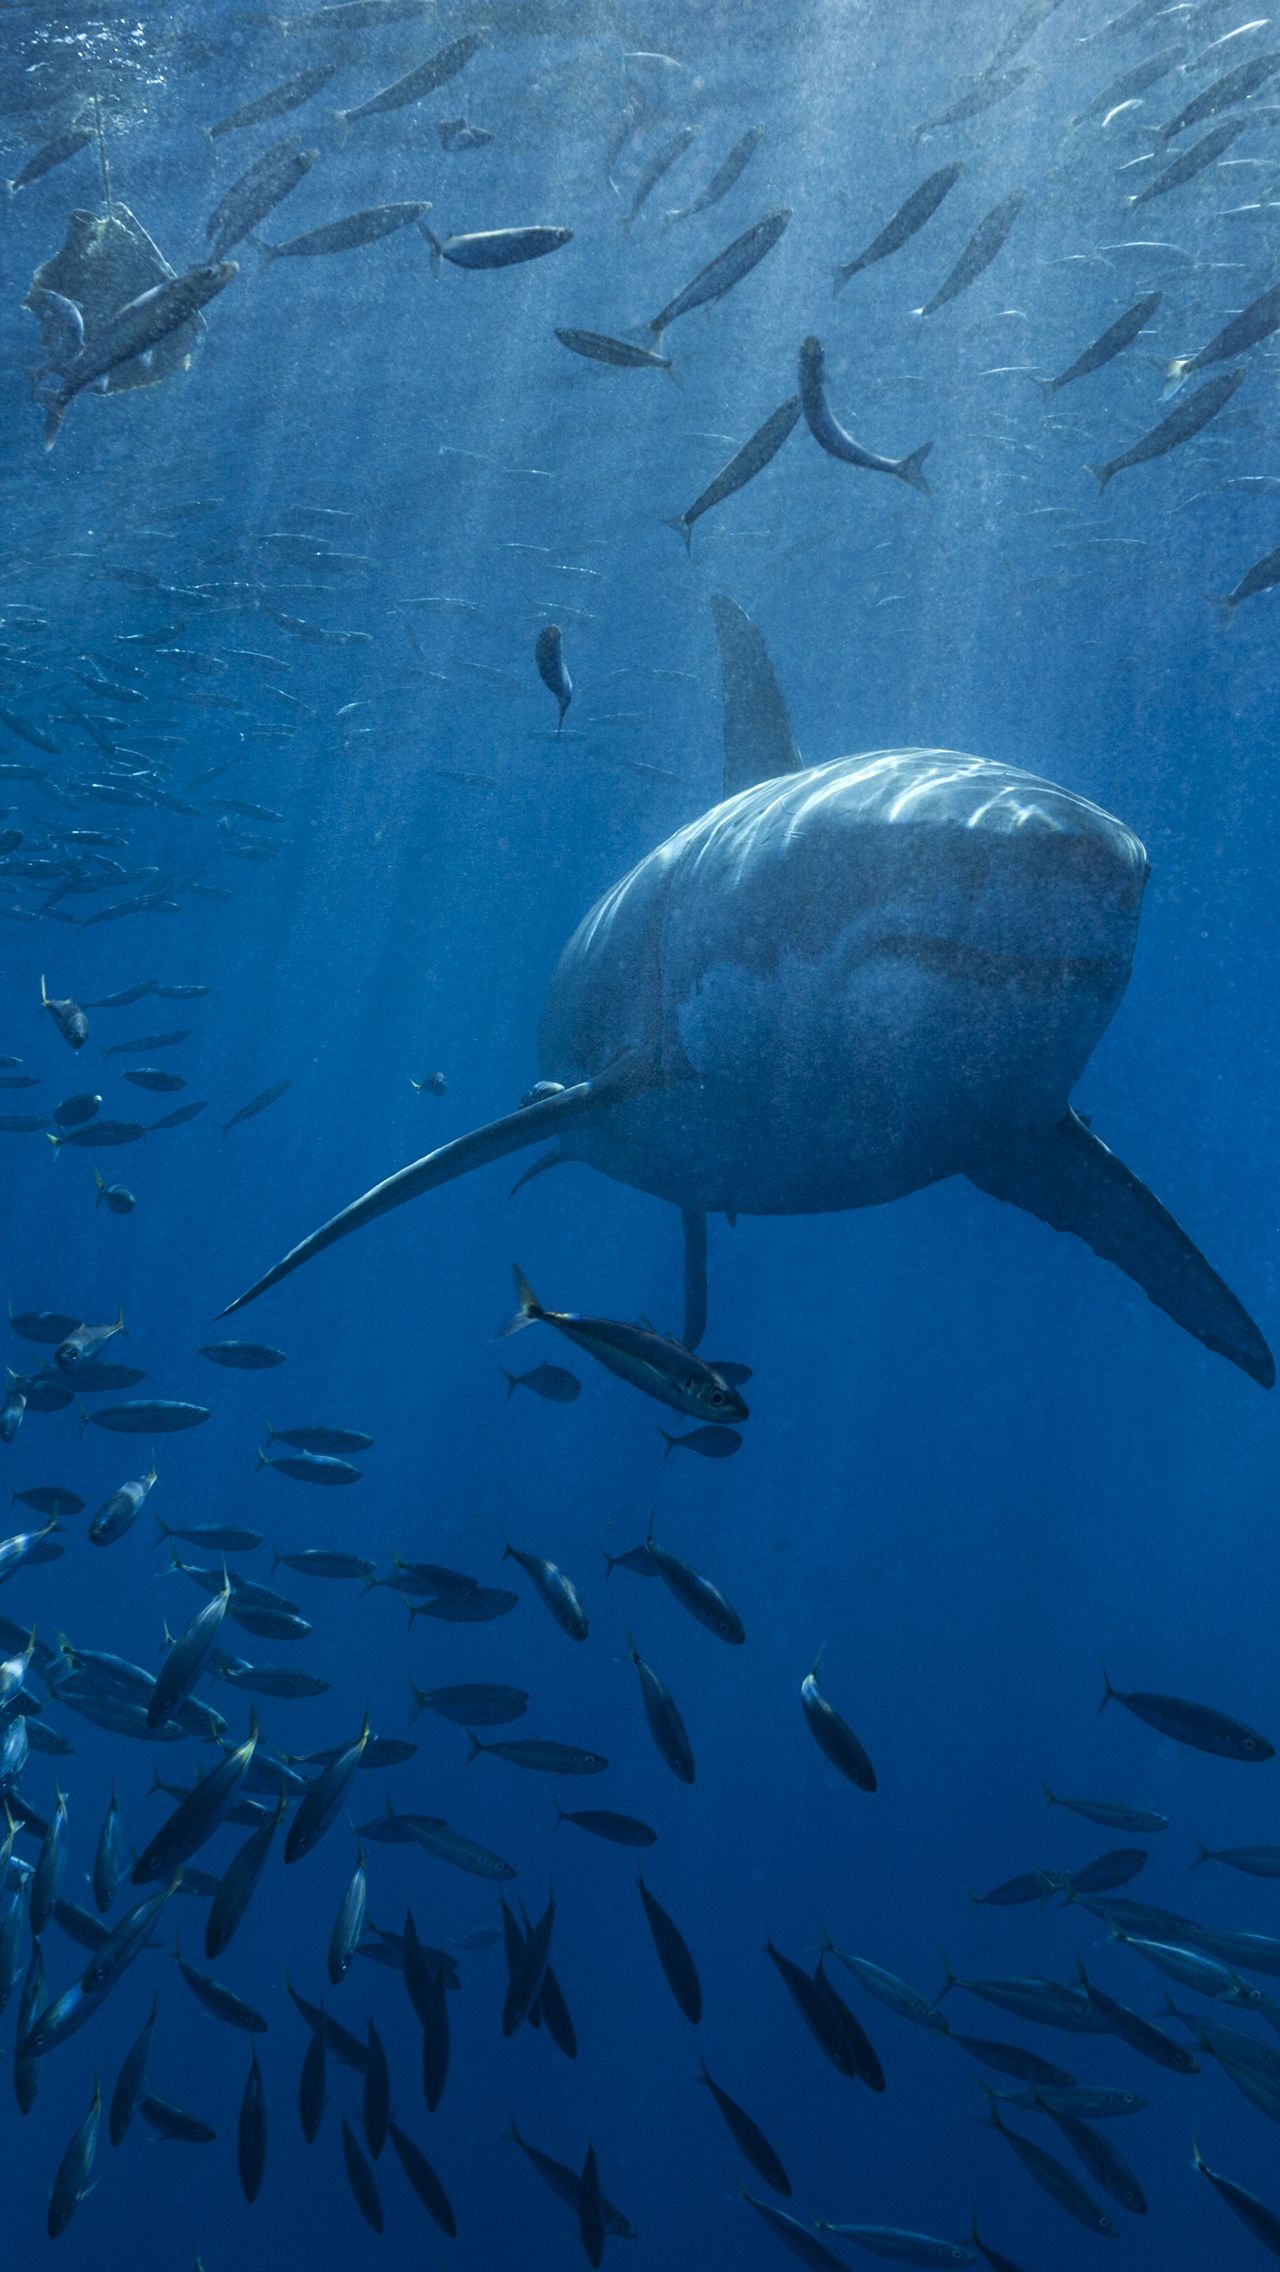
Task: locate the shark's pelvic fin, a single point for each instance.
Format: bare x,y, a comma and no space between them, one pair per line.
531,1124
758,741
1069,1179
695,1275
545,1160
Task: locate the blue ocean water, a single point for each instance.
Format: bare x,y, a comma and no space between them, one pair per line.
978,1462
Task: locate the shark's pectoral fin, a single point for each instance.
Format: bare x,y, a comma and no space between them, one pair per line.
695,1275
1069,1179
531,1124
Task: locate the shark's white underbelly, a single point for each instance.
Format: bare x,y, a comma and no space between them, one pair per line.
850,983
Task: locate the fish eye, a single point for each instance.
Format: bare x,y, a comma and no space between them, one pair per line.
717,1396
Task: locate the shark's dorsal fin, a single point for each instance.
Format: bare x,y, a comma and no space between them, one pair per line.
758,741
1066,1176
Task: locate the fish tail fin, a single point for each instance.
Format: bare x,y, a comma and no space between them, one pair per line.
1197,2158
342,121
260,1455
682,529
839,278
419,1696
433,243
908,469
528,1310
949,1980
476,1746
1046,386
84,1417
512,2131
120,1326
674,375
1050,1797
1226,604
610,1563
1174,374
975,1898
1101,474
56,1141
670,1442
1107,1690
510,1380
1202,1853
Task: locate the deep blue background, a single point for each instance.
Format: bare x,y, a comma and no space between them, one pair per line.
977,1460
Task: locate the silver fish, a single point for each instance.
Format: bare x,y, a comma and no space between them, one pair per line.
495,248
663,159
1108,344
423,80
727,269
830,434
901,226
1249,328
132,331
741,468
268,180
277,102
1181,424
662,1368
723,179
982,248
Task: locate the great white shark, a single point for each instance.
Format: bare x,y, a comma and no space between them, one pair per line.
843,983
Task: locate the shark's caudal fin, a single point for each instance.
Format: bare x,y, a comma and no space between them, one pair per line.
531,1124
758,741
694,1223
1069,1179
